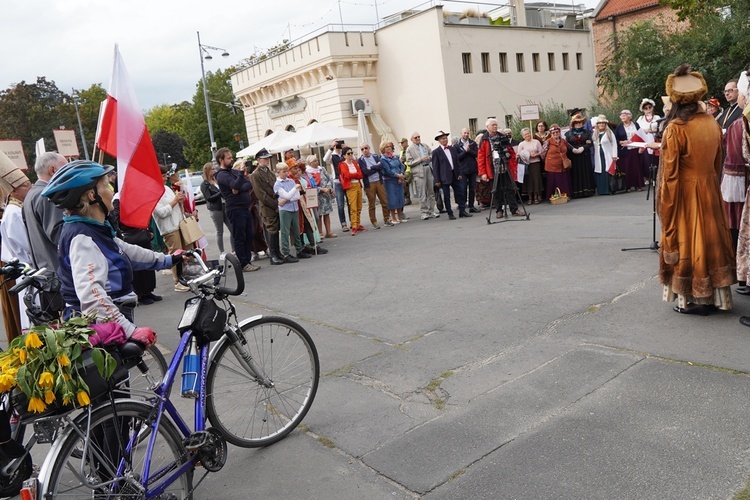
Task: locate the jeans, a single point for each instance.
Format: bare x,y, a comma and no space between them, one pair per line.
340,202
241,226
217,216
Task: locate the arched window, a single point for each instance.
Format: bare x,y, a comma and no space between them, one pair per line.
312,121
268,132
290,128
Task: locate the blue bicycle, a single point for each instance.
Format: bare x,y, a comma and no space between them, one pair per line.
253,381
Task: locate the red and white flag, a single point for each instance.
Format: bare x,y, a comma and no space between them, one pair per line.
612,167
123,134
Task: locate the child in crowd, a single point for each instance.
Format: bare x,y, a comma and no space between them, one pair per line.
289,193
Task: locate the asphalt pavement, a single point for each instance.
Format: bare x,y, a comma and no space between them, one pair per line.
525,359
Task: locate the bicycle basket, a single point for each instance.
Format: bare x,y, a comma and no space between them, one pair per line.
208,322
98,387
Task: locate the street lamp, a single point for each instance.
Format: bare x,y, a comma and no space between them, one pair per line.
238,138
203,53
76,97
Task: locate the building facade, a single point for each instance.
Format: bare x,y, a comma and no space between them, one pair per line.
428,71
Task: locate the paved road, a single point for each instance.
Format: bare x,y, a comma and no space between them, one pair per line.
528,359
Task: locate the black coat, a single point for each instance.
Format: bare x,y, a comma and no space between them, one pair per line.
212,194
467,160
441,167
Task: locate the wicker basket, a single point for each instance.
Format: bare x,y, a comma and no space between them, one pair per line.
558,198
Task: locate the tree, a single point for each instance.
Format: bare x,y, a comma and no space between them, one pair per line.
89,103
169,148
31,110
167,117
225,123
714,43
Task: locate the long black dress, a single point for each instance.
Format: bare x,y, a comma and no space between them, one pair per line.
582,171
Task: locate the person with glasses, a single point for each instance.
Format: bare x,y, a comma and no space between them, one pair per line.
235,188
553,151
372,176
419,159
732,112
350,177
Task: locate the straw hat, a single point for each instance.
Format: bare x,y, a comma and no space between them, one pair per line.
645,101
577,118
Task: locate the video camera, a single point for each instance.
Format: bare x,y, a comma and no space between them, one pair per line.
500,154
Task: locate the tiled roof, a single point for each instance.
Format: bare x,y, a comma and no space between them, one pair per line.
620,7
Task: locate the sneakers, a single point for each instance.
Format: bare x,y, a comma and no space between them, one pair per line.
361,228
321,250
436,214
376,226
179,287
303,254
249,268
426,216
253,256
389,223
354,231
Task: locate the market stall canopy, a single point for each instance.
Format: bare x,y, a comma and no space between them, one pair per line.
267,142
314,135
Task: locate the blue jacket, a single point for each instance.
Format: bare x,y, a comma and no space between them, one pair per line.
368,171
96,269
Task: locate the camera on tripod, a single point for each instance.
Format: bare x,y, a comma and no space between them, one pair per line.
500,154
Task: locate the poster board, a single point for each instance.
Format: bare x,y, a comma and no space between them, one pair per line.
13,149
66,142
529,112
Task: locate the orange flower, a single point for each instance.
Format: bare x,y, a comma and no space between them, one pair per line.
6,382
46,380
23,355
83,398
63,360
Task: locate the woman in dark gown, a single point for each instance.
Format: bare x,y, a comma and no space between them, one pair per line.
579,151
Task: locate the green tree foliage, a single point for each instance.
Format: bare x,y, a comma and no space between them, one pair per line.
169,148
30,111
225,122
89,102
167,117
714,43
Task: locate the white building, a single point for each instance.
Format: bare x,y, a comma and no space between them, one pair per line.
430,70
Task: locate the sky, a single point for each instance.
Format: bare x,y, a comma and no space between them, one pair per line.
71,42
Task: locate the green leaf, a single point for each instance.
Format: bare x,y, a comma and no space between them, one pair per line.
21,379
50,341
75,353
111,365
97,355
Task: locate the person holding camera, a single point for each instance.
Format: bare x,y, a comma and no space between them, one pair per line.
419,159
334,157
235,189
493,147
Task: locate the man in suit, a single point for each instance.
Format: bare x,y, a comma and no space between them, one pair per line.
419,160
733,111
467,149
372,177
446,174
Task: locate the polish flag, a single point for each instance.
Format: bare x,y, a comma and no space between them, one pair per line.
123,134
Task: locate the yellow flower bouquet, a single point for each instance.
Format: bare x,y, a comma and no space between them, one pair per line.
45,364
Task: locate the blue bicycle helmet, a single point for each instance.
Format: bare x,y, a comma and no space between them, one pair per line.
66,187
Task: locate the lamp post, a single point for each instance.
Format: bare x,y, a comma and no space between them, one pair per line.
203,53
80,126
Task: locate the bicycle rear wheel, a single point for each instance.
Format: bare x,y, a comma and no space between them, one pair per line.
247,413
77,470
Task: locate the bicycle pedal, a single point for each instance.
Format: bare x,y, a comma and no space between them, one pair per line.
196,440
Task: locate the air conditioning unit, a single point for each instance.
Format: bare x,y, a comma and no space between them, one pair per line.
361,104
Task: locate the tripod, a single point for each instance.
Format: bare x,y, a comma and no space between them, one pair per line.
652,182
506,206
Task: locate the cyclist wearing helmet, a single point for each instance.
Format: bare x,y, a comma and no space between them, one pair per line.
95,267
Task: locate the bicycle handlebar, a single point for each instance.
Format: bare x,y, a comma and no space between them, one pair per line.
209,278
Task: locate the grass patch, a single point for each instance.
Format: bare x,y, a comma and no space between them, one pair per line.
433,386
326,442
593,308
743,494
457,474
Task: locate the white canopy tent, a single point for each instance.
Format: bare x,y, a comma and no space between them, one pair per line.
314,135
267,142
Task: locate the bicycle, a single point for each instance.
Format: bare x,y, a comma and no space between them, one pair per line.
151,366
253,380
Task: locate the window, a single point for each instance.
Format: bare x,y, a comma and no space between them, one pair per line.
551,60
535,62
508,120
466,59
485,62
519,63
579,61
566,63
472,127
503,62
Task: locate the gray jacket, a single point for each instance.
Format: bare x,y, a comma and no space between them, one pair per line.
43,221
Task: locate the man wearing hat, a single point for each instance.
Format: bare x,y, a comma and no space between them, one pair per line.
15,242
263,180
235,189
419,159
446,173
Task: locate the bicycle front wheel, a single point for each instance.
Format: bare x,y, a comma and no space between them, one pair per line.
246,412
90,470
